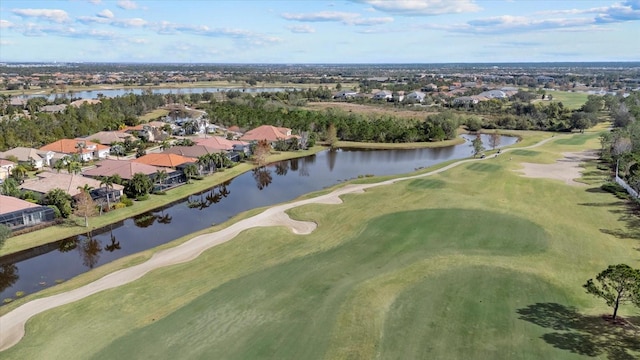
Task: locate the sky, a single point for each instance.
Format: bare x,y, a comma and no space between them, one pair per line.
309,31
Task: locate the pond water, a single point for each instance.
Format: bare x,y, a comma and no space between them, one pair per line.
34,269
93,94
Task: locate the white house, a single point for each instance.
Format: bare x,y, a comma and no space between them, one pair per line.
383,95
417,96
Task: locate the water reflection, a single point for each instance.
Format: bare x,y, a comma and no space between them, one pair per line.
8,276
90,249
263,177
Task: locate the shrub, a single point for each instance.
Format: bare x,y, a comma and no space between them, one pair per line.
126,201
7,300
119,205
142,197
19,293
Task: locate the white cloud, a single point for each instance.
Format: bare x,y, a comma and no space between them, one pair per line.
4,42
95,2
106,13
127,4
139,41
336,16
53,15
241,35
4,24
422,7
123,23
301,29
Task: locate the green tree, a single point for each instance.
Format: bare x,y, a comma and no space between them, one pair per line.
107,182
19,173
477,146
332,135
161,176
138,185
10,188
5,233
190,171
617,285
60,199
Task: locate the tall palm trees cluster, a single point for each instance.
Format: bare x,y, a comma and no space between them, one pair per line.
213,161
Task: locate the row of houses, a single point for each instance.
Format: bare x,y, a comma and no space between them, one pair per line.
18,214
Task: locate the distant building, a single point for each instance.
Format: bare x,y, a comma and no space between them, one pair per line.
269,133
85,149
5,168
35,157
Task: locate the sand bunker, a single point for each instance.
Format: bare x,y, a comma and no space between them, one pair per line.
566,169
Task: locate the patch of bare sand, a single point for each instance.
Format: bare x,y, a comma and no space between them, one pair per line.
566,169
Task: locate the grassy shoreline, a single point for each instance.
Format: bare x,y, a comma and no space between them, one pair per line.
58,232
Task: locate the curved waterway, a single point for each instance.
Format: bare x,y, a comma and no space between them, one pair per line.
35,269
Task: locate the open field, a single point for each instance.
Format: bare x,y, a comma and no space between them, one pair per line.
152,115
473,262
570,100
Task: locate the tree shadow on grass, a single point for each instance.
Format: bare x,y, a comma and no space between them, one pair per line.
630,216
585,335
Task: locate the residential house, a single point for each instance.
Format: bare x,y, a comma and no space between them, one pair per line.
123,168
86,150
36,158
415,96
493,94
54,108
5,168
383,95
164,160
429,88
70,183
151,131
107,137
465,100
194,151
219,143
269,133
19,214
345,95
80,102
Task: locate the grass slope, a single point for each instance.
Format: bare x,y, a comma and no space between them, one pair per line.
427,249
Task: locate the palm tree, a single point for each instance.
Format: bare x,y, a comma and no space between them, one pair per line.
160,177
165,144
203,161
19,173
59,165
140,184
190,171
107,181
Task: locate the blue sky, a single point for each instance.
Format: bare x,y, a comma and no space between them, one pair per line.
306,31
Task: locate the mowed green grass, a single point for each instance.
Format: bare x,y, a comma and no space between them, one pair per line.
464,264
570,100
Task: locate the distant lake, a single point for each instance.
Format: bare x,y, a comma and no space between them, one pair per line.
93,94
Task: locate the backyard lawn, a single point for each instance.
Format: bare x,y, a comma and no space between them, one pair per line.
474,262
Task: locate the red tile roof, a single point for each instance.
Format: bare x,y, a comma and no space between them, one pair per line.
164,160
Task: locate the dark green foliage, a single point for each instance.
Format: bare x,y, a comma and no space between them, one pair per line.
616,285
60,199
5,233
140,184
